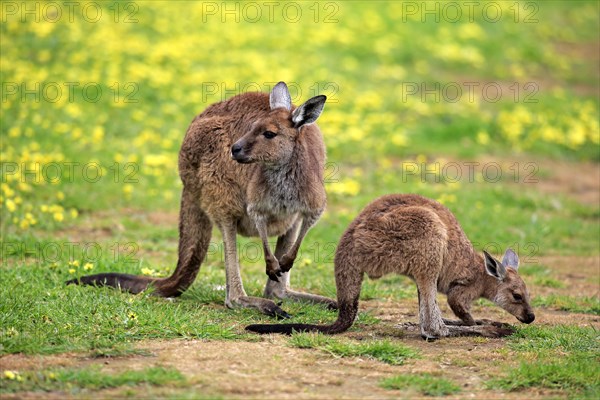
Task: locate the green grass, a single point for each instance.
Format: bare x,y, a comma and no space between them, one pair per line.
387,351
578,304
560,338
425,384
578,375
560,357
91,378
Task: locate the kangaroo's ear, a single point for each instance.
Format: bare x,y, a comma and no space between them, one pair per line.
493,267
308,112
280,97
510,259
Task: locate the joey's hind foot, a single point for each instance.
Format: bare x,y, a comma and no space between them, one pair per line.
265,306
276,312
492,323
497,331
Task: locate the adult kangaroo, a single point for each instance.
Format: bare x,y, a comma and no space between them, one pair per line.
251,165
418,237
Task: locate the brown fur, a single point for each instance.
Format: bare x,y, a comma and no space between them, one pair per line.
238,179
414,236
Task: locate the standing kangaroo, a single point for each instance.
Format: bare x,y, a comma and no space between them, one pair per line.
252,165
411,235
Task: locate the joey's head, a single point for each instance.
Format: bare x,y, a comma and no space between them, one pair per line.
272,138
509,290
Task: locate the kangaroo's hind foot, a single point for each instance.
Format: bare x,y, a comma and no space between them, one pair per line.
281,290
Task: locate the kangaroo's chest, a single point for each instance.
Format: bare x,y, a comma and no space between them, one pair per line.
276,225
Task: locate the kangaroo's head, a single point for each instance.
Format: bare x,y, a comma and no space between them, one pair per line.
272,138
510,291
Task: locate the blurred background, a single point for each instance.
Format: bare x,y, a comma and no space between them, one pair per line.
489,107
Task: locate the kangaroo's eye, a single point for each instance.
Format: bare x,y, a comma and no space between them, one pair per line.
269,134
517,297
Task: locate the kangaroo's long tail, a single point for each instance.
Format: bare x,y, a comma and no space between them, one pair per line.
195,230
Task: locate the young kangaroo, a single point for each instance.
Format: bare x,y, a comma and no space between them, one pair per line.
414,236
251,165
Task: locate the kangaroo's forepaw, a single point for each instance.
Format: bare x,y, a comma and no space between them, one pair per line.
274,275
273,269
286,263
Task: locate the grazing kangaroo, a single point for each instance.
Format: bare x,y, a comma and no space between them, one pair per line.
411,235
252,165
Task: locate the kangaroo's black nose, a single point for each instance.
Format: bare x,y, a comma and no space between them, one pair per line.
236,149
529,318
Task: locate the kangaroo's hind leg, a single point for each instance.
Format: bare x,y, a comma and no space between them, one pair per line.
430,316
281,289
236,295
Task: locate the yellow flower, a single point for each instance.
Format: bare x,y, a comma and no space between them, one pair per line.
10,375
74,263
132,316
98,134
148,271
74,213
447,198
483,138
60,195
71,271
10,205
399,139
345,187
88,266
58,216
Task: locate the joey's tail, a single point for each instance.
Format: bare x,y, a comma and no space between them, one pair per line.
348,280
344,321
195,230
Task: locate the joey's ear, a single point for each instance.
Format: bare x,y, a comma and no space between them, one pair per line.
280,97
308,112
493,267
510,259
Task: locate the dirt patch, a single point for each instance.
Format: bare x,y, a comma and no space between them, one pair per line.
577,180
583,185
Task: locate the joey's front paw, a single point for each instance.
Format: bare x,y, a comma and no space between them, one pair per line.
286,263
273,269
